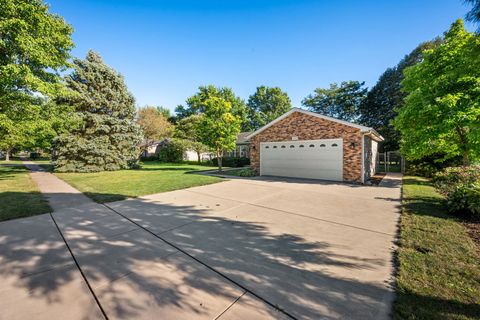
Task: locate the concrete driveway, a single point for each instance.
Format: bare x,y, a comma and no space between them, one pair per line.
241,249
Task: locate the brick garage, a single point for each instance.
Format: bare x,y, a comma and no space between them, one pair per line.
359,142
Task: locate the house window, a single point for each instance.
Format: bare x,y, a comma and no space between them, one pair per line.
301,146
283,147
292,146
334,145
311,146
274,147
322,145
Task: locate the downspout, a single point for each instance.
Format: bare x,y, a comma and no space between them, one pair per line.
363,159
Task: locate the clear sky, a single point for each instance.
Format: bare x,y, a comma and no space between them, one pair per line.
166,49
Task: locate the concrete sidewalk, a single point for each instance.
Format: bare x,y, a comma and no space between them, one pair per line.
59,193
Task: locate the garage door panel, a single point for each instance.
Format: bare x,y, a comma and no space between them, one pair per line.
314,159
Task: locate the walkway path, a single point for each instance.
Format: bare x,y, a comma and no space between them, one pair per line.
59,193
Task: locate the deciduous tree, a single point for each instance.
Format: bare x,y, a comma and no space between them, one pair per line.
196,104
188,130
338,101
219,127
265,105
386,97
442,110
154,124
34,47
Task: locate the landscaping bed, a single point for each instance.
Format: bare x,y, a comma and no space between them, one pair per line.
19,196
438,262
152,177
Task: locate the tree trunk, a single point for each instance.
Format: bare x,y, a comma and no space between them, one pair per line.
464,146
198,157
219,158
465,158
7,155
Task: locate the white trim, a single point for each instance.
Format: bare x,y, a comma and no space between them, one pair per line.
363,159
363,129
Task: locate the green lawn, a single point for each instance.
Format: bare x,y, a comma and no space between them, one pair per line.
439,265
19,196
153,177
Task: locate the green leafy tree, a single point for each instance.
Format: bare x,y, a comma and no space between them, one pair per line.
196,104
265,105
219,127
385,98
34,47
108,137
441,114
154,124
188,130
339,101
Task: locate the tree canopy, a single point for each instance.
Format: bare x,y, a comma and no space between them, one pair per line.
154,124
386,97
219,127
108,137
441,114
188,129
196,104
339,101
474,14
265,105
34,47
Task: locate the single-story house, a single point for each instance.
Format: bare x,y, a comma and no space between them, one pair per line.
242,146
152,148
304,144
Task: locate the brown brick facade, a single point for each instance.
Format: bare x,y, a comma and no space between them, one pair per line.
307,127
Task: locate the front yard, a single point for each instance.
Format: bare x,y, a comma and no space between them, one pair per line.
19,196
153,177
439,268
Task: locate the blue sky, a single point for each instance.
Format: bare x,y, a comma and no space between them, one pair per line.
166,49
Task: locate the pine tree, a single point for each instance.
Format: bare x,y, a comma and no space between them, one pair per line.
108,137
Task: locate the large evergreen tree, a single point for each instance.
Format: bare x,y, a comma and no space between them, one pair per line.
108,137
265,105
385,98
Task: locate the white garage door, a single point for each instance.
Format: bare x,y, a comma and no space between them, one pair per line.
312,159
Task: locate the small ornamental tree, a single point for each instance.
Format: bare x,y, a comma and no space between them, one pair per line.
107,137
188,130
218,127
441,114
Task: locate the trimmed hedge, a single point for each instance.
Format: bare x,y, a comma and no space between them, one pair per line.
234,162
461,188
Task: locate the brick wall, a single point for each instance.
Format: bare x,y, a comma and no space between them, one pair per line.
307,127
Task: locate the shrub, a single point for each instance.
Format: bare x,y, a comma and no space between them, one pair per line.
234,162
461,188
248,172
173,151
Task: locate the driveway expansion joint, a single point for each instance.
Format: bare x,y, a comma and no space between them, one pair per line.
206,265
80,269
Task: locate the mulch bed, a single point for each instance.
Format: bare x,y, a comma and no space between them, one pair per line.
473,229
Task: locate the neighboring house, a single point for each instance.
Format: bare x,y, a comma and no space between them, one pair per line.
152,148
242,146
305,144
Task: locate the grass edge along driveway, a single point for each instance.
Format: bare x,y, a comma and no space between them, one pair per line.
438,264
19,195
152,177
